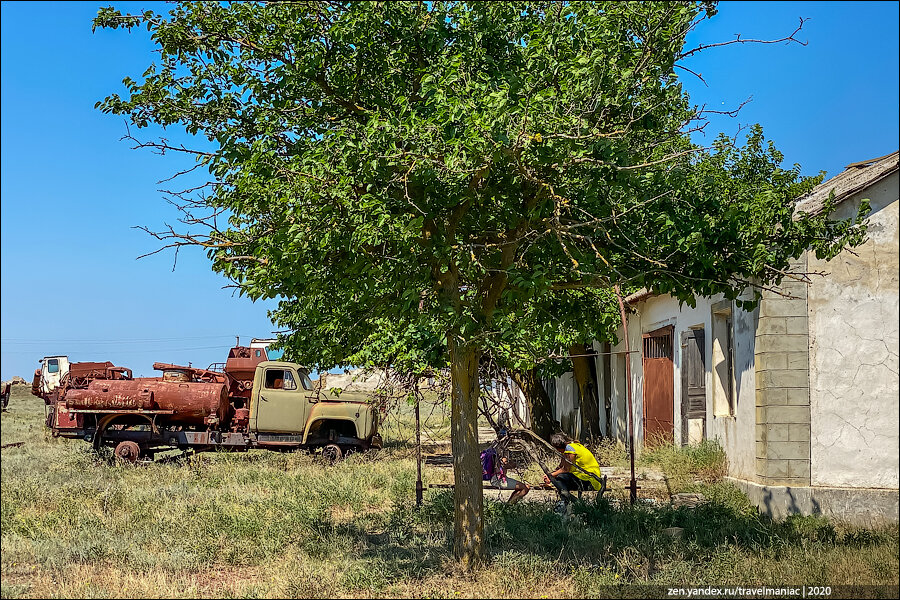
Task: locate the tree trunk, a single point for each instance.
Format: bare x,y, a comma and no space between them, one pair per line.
586,378
537,400
468,499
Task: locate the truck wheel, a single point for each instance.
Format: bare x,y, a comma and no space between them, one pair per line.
127,452
332,453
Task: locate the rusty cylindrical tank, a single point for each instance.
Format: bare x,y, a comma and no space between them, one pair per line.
193,403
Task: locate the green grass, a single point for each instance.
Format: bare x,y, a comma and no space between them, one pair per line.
704,462
268,524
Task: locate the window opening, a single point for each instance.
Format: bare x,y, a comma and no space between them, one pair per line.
280,379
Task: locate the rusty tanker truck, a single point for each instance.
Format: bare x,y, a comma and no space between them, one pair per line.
247,402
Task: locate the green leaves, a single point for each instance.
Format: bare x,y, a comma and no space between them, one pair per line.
398,172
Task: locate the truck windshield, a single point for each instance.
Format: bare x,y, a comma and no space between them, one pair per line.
53,366
305,380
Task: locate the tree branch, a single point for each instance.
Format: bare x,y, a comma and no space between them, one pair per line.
790,38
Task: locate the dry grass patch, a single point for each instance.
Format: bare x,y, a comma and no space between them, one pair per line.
267,524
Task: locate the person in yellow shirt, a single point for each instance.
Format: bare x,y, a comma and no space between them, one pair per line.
578,469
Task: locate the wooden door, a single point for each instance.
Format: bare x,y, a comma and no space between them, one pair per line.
693,381
659,385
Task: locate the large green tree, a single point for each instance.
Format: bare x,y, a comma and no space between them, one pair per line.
441,166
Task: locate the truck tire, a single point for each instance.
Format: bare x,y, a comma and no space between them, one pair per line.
127,452
332,453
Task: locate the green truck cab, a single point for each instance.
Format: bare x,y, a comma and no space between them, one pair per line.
287,411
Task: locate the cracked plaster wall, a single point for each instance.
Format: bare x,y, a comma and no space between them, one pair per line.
853,321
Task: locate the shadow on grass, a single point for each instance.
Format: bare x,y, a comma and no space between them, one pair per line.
600,544
633,537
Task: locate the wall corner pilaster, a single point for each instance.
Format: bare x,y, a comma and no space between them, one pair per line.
782,384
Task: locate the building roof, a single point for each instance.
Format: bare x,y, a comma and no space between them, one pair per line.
638,296
851,180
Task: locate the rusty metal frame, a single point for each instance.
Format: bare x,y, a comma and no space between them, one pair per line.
632,485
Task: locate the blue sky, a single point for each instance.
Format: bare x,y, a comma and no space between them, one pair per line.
72,192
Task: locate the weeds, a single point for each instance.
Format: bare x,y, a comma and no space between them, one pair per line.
266,524
705,461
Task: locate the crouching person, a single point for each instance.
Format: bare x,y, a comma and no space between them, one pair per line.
578,470
493,469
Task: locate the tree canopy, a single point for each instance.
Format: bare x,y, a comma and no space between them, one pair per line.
447,168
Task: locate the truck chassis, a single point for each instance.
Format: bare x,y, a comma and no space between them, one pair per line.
136,434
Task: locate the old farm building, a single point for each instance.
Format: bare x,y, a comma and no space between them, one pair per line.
802,392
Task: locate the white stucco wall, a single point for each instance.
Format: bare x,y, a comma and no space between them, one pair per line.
853,317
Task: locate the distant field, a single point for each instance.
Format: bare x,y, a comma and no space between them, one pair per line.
267,524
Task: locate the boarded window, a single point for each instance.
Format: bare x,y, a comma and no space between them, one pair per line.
693,386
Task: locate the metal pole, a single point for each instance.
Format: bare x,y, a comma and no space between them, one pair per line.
633,488
418,453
